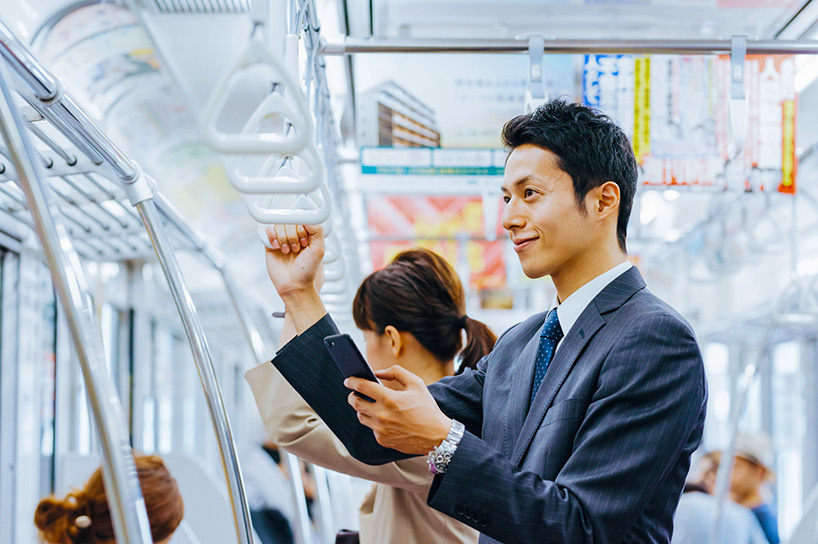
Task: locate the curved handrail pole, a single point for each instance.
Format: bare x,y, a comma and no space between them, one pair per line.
118,469
301,531
204,365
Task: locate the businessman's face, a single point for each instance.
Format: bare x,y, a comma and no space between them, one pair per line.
549,231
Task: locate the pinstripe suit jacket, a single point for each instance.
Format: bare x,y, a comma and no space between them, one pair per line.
601,454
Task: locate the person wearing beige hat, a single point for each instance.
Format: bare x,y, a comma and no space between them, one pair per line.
753,469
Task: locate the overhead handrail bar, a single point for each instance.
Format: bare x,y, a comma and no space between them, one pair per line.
127,507
564,47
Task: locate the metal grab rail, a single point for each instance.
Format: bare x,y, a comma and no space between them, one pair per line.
569,47
302,530
127,507
58,108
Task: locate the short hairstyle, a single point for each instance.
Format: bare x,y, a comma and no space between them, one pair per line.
590,147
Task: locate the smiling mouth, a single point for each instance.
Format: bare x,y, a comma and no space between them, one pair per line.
518,247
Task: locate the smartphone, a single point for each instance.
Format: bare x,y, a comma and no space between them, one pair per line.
349,360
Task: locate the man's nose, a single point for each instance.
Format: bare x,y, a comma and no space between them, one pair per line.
512,216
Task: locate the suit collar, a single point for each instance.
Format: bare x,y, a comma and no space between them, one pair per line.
590,321
619,291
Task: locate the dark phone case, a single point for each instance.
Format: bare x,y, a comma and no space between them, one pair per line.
349,360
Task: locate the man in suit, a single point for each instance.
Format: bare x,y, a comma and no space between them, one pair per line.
579,425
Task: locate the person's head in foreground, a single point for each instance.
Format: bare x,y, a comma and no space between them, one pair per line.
412,313
569,183
82,516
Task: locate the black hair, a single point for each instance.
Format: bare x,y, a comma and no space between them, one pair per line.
420,293
589,146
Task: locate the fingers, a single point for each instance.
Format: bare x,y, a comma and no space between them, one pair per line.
292,238
372,390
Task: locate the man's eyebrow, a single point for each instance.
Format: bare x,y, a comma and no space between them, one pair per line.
516,183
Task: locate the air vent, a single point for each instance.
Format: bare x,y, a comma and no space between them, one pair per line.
196,6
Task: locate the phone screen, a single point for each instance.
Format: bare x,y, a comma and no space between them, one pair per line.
349,359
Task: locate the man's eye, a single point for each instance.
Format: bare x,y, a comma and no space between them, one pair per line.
506,199
529,192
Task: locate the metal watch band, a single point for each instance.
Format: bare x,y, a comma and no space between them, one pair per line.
438,459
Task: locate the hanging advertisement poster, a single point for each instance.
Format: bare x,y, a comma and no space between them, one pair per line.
678,119
110,65
448,225
449,100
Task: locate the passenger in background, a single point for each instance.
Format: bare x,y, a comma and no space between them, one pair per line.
82,517
412,313
752,471
696,514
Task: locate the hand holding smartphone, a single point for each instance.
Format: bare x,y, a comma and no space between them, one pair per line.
349,360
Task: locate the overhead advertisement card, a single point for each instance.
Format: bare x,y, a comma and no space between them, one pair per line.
676,111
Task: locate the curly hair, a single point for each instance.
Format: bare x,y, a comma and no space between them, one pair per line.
83,517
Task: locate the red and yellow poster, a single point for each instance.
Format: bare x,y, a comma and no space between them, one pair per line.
400,222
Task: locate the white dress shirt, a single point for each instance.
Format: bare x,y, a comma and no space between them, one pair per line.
572,307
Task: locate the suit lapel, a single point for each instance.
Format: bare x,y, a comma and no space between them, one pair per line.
567,353
590,321
520,392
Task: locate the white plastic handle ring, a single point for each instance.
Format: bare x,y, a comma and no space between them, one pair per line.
295,109
260,211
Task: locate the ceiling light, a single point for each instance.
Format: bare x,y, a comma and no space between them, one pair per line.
671,195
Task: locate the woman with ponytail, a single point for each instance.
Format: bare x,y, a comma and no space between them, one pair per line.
82,517
413,314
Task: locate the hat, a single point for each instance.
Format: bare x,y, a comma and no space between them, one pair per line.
756,448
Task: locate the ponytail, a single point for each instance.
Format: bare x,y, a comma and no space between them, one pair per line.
479,342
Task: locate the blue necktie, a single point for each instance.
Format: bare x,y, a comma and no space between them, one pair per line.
549,337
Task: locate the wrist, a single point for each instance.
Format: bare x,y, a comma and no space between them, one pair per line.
438,459
304,308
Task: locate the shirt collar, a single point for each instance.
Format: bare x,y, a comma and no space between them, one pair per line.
569,311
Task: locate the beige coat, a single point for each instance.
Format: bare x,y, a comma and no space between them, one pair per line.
395,511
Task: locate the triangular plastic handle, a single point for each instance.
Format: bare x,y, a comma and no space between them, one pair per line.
293,109
320,201
305,178
334,271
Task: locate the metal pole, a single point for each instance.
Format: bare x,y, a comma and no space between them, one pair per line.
49,92
569,47
204,365
302,528
302,532
119,472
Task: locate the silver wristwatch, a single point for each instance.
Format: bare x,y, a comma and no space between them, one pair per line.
438,459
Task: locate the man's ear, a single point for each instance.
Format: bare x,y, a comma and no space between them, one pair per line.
394,339
606,199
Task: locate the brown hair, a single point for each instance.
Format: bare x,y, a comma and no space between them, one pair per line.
420,293
57,518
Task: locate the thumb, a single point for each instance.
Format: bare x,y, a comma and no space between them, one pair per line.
399,374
